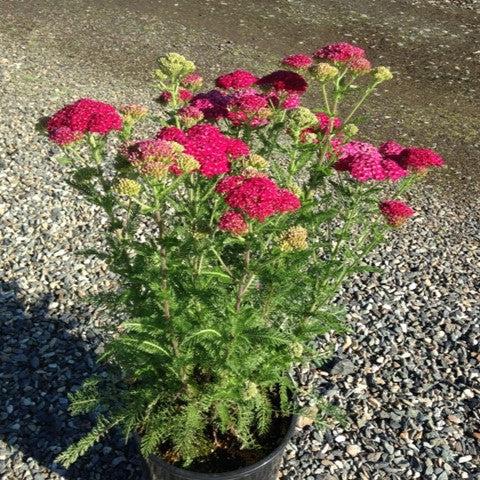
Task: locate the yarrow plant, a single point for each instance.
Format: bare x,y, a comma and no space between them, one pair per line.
231,229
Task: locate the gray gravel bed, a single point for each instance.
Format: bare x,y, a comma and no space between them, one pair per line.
407,375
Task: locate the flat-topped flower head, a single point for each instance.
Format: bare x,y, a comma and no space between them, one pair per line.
174,65
359,65
83,116
298,61
233,222
339,52
258,197
128,187
193,80
382,74
248,108
303,117
396,212
236,80
362,160
190,116
284,81
420,159
133,111
294,239
208,145
213,104
324,72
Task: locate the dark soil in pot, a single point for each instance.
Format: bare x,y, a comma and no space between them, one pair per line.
228,454
262,463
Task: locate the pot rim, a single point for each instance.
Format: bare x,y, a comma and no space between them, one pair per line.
231,474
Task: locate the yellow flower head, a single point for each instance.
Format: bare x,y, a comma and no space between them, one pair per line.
128,187
382,74
294,239
187,163
324,72
256,161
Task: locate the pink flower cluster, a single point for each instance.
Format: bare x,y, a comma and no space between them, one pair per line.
248,108
233,222
258,197
339,52
365,162
396,212
390,161
194,80
237,80
284,81
210,147
83,116
298,61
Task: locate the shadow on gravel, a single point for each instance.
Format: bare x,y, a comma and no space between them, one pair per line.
40,362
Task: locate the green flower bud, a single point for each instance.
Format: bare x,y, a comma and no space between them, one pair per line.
303,117
350,129
297,350
174,65
187,163
251,390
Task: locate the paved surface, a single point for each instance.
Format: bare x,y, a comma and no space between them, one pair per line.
433,46
407,376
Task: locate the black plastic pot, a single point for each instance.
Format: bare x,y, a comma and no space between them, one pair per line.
266,469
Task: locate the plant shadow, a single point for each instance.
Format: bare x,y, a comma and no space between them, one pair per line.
41,361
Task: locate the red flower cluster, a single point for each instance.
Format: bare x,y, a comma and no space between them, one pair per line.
248,108
298,61
194,80
284,81
258,197
233,222
237,80
420,159
339,52
210,147
396,212
83,116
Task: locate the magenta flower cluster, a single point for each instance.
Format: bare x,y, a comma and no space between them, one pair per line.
83,116
258,197
208,145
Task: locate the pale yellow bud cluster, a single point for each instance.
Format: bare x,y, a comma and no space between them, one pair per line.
350,129
294,239
256,161
297,350
187,163
382,74
173,65
128,187
303,117
324,72
133,112
177,147
251,390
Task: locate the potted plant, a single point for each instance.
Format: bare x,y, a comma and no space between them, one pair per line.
231,229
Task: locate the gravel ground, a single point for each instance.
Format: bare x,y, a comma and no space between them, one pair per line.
407,376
